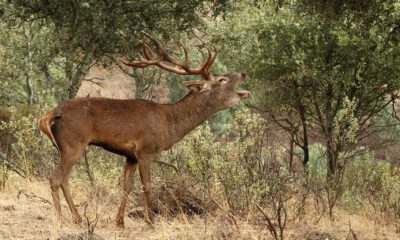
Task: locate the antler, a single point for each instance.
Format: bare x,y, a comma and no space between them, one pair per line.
160,58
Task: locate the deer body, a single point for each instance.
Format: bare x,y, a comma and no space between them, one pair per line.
123,126
136,129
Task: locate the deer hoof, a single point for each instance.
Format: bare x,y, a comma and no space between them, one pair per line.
120,223
149,220
78,221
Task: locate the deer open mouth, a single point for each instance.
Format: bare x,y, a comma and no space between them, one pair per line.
243,93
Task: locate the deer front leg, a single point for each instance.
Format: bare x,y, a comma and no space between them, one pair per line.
130,168
144,170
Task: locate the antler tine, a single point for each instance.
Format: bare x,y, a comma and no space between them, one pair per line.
162,52
142,63
148,52
159,48
186,52
211,59
203,56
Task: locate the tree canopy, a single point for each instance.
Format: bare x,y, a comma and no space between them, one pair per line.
75,34
308,66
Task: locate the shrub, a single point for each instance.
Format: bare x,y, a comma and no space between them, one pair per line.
236,168
29,153
376,181
24,149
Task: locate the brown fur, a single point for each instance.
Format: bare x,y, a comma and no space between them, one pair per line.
45,123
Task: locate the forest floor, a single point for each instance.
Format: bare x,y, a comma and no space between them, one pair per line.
27,213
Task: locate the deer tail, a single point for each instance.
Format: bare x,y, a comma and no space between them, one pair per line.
45,124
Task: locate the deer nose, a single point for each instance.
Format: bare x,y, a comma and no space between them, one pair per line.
243,75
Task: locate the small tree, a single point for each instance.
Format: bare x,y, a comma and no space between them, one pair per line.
304,64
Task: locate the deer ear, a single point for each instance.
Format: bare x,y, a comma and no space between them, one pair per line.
196,85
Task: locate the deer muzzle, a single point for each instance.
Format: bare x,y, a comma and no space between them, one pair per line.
242,93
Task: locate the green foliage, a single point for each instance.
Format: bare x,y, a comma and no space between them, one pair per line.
347,125
22,51
317,164
29,152
238,166
61,40
304,65
355,10
376,181
285,52
104,167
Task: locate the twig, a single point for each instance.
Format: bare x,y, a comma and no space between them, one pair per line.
91,225
87,168
229,214
92,80
168,164
13,167
353,234
270,226
32,195
320,217
394,109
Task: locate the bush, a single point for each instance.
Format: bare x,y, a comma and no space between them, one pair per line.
376,181
237,168
23,148
28,152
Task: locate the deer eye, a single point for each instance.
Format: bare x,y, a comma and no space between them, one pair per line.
222,80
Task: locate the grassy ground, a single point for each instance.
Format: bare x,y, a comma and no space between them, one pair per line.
26,213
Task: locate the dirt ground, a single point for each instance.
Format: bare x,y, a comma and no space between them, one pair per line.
27,213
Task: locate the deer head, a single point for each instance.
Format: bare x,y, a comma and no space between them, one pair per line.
218,88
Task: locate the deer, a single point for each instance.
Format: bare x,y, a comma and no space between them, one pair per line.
134,128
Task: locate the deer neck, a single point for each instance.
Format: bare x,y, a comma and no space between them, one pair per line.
188,113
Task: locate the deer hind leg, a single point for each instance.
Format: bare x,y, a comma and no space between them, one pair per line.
130,168
144,162
67,194
60,178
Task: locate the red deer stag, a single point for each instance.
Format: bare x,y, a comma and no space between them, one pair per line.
136,129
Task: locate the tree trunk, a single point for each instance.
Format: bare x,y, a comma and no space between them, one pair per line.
29,70
68,71
332,164
73,89
30,90
291,154
301,109
75,74
305,147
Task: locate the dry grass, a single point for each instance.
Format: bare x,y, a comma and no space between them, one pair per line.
25,213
